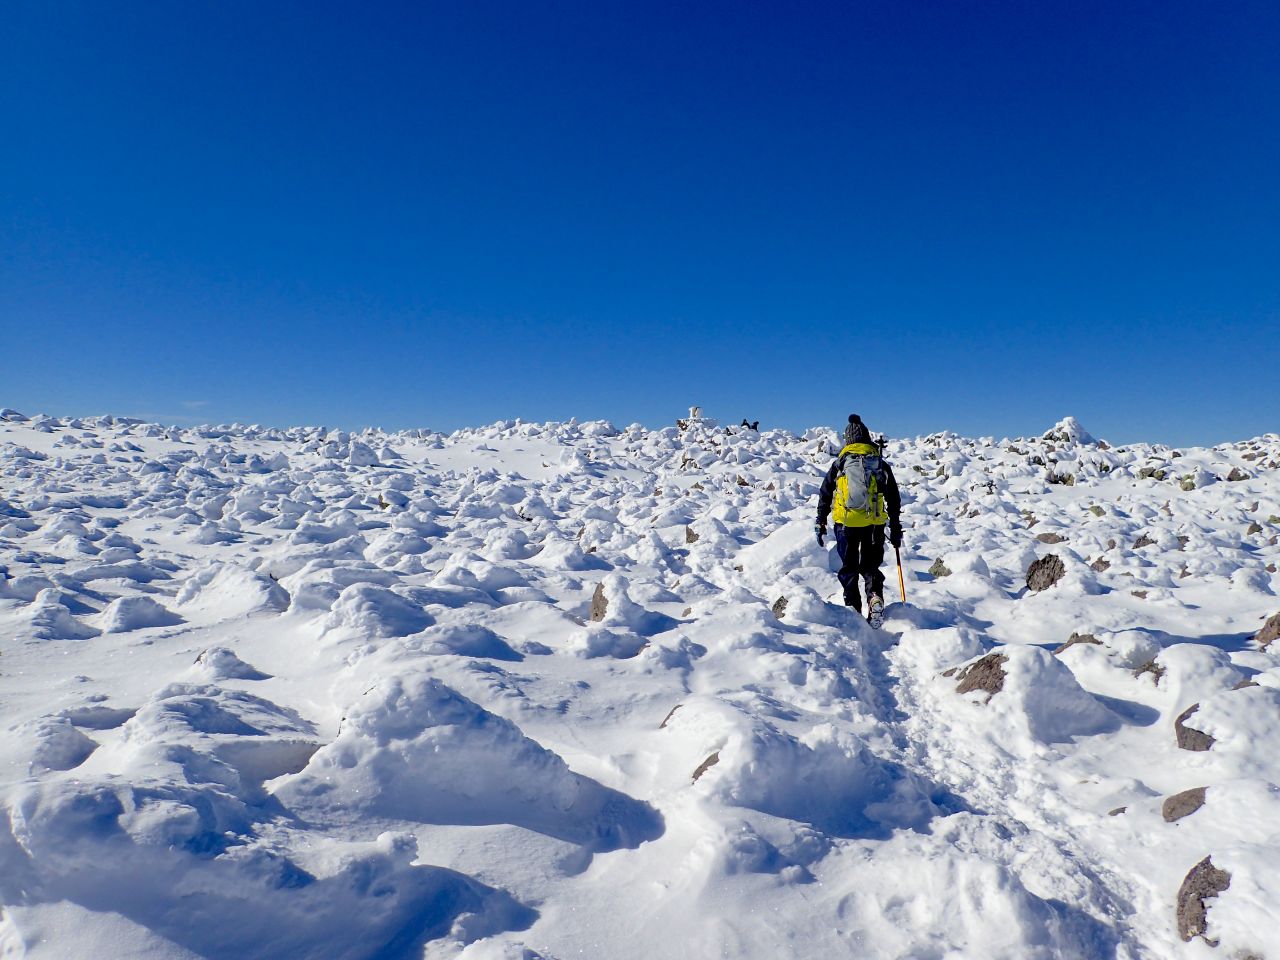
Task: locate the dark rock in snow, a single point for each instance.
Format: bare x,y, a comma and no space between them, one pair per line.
1203,881
1254,527
1051,538
690,536
667,718
1237,474
986,674
1116,812
1182,804
706,765
939,569
1270,631
1045,572
1077,638
599,604
1152,667
780,607
1143,541
1190,738
1100,565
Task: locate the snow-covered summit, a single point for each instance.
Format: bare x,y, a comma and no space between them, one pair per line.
548,690
1069,430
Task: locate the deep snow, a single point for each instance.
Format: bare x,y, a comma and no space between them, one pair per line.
521,692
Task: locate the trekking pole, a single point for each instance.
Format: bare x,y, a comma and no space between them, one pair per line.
902,587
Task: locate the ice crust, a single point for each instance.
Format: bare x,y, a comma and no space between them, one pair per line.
541,690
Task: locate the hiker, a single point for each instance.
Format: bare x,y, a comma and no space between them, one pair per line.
862,496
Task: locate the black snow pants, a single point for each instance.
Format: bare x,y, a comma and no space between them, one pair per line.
861,552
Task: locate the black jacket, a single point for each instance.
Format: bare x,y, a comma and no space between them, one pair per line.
892,499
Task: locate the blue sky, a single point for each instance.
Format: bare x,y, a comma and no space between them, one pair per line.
967,216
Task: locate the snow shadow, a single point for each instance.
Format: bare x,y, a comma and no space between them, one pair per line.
254,904
1226,642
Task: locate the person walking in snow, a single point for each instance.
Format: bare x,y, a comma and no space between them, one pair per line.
861,494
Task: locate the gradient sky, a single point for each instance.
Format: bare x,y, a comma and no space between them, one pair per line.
959,215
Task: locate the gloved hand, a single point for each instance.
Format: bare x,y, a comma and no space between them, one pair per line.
895,535
820,531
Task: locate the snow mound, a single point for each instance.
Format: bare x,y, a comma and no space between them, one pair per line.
1042,700
826,777
135,613
372,611
416,750
1068,430
222,591
221,663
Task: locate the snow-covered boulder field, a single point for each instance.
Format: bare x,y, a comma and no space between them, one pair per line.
564,690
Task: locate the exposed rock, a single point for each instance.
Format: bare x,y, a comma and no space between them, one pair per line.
1153,473
1101,564
1183,540
742,481
706,765
1077,638
986,674
667,718
1051,538
1097,511
1203,881
1190,738
1182,804
1245,684
1270,631
780,607
1152,667
1045,572
599,604
939,569
1254,527
690,536
1140,594
1116,812
1188,482
1237,474
1143,541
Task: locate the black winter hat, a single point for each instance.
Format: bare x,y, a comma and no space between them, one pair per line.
856,431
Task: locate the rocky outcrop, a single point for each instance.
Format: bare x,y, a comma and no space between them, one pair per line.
1077,638
599,604
1270,632
986,675
1202,882
1189,738
1182,804
1045,572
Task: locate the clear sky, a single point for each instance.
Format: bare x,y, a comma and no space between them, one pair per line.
977,216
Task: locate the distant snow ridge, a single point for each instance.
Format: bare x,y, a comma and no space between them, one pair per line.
540,690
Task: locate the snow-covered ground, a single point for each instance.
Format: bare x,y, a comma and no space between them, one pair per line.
526,691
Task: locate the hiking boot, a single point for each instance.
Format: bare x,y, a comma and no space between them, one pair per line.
875,612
